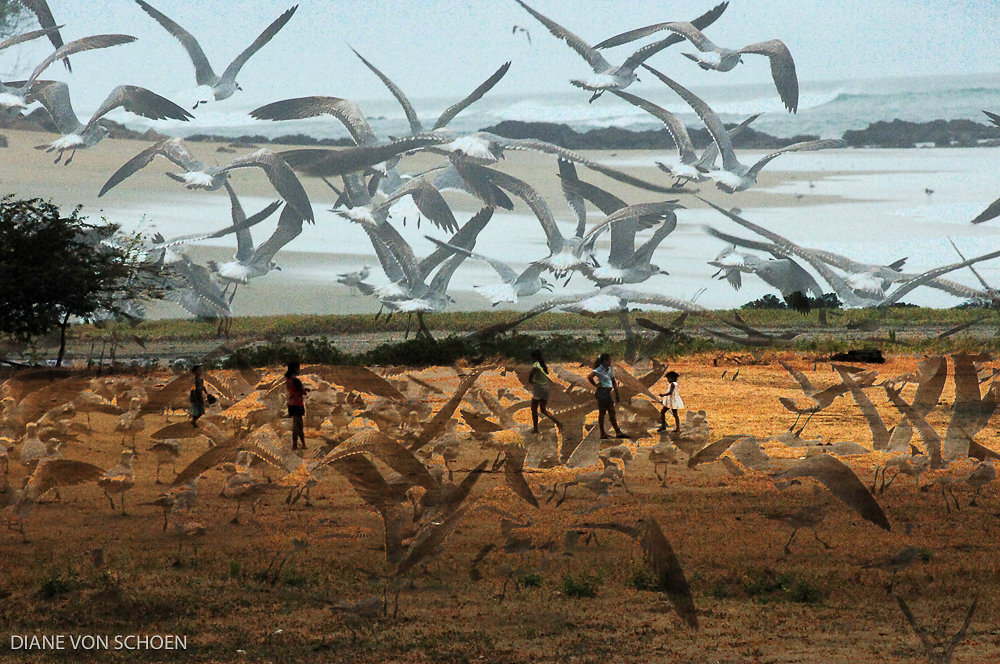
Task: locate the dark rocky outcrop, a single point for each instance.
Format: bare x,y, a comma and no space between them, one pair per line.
614,138
940,133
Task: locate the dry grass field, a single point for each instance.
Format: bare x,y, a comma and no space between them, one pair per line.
262,590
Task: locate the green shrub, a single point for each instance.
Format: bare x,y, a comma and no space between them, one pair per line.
582,585
770,587
531,581
55,584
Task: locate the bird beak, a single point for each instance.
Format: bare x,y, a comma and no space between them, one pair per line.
664,272
241,89
278,268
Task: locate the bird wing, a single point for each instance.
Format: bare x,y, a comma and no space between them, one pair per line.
711,153
880,434
171,148
203,72
235,228
747,451
933,373
513,474
782,70
40,8
971,411
357,379
329,163
991,212
366,480
427,541
51,473
26,37
661,210
140,101
549,148
930,437
344,110
631,386
475,180
702,22
712,121
573,193
506,273
474,96
434,427
925,277
77,46
269,32
663,561
678,132
198,294
534,200
770,248
210,458
54,96
411,114
289,227
244,240
439,284
388,451
428,200
282,178
713,451
644,254
588,53
807,387
394,254
661,300
803,146
836,476
464,239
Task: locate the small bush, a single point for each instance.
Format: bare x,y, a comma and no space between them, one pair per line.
926,554
583,585
719,590
56,584
644,579
531,581
770,587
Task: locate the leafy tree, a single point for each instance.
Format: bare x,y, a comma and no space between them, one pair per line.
767,302
55,268
12,13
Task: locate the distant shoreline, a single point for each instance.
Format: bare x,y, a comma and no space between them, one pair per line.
881,134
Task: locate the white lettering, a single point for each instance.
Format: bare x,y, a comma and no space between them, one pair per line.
16,641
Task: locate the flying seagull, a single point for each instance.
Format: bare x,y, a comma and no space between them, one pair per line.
735,176
607,76
41,10
223,86
54,96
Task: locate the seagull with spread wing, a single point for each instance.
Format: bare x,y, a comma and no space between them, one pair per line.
221,87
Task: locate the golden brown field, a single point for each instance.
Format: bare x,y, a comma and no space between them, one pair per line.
754,603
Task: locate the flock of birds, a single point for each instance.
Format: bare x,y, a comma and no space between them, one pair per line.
381,432
372,182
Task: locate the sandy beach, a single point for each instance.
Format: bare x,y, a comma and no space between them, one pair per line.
871,204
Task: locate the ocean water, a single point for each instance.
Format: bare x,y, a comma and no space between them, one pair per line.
826,108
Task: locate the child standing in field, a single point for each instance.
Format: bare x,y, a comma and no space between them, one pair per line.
296,404
540,389
671,400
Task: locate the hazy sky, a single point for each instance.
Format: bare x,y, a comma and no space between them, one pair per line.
446,47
